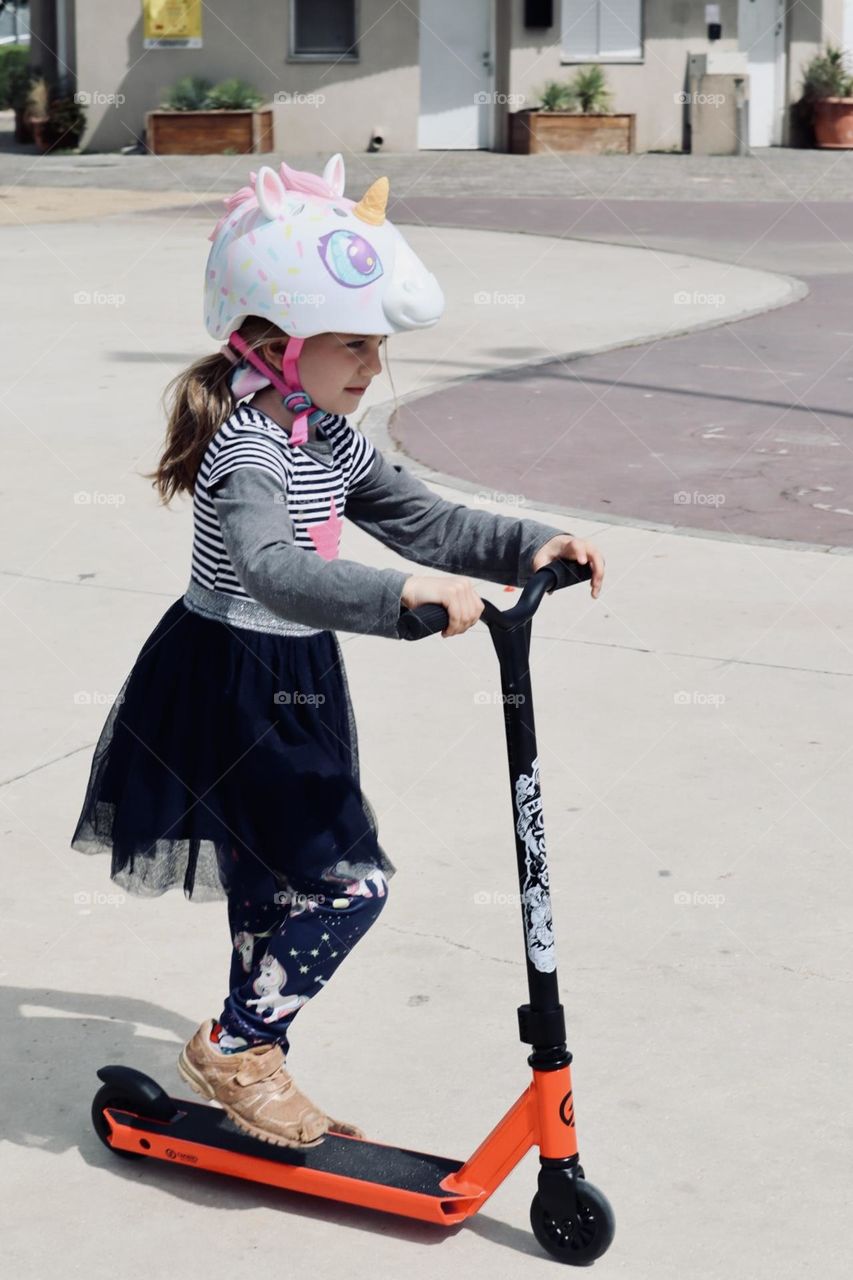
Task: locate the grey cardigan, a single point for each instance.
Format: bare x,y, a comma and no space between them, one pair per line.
391,505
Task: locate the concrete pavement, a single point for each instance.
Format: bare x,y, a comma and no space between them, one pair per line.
693,734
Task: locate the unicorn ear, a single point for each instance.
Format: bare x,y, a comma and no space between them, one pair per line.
270,192
334,174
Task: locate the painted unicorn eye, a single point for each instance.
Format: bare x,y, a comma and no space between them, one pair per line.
349,258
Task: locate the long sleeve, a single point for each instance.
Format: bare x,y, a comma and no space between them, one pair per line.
290,580
399,510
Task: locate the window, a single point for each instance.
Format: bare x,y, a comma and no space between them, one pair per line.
601,31
323,29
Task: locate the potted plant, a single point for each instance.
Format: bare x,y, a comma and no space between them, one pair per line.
66,123
828,98
197,118
572,115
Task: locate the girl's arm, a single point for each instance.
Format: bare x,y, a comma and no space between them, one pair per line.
394,506
288,579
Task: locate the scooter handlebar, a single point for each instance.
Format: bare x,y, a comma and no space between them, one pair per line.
429,619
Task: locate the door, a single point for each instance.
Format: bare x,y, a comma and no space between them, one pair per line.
457,102
761,35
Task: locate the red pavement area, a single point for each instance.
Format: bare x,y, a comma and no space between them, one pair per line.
744,429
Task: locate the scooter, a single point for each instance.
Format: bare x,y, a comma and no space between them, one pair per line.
571,1219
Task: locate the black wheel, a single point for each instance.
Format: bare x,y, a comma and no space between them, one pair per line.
111,1095
580,1240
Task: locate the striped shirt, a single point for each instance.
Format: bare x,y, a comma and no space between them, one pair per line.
314,488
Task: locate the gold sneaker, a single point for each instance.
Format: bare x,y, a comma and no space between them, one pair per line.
256,1091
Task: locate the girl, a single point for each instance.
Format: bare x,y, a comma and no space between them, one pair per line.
229,761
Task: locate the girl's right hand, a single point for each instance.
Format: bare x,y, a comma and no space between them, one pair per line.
457,595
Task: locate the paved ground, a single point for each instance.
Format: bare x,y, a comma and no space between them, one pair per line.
693,730
744,429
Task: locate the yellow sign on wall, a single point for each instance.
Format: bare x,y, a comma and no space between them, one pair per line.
172,24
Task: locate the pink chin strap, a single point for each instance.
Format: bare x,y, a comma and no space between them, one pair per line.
294,395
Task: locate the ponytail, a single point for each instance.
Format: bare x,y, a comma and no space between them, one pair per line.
197,402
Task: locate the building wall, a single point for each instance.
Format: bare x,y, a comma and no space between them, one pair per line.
250,40
649,89
336,105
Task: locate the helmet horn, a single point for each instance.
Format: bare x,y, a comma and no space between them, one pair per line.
371,206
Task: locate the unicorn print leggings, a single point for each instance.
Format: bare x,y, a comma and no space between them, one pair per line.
288,941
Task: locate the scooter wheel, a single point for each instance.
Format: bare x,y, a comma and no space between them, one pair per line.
576,1241
110,1095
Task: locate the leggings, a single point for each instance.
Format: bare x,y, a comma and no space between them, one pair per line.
288,941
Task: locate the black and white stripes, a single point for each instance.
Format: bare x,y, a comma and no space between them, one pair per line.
313,489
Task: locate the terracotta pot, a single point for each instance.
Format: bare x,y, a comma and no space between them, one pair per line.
204,133
38,125
833,122
531,132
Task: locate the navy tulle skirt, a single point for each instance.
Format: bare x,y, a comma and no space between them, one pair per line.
226,738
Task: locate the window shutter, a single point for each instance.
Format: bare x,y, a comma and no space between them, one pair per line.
619,28
580,28
593,29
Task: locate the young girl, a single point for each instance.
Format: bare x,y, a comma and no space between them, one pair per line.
229,761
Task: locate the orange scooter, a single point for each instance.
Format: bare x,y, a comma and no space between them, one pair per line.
570,1218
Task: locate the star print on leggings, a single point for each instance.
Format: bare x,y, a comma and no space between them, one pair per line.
314,952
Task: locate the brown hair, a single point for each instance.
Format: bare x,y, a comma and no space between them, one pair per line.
197,401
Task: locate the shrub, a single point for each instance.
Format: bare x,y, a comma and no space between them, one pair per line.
14,64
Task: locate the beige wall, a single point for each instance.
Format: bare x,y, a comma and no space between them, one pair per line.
249,39
673,28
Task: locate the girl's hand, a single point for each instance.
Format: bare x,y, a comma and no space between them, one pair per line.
457,594
565,547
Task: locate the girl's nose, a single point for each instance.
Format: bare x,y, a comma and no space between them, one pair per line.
373,362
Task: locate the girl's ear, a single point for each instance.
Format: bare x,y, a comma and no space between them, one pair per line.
270,192
273,353
334,174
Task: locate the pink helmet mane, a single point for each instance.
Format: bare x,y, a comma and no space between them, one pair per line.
245,199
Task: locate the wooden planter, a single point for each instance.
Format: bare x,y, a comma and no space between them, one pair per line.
531,132
833,122
205,133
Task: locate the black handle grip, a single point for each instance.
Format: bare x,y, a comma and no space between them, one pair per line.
429,619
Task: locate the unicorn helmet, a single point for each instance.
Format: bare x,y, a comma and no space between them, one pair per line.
293,249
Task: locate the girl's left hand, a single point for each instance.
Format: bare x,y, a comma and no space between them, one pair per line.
565,547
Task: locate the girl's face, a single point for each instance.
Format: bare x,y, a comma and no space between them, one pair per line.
335,368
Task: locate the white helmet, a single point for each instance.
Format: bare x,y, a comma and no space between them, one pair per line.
293,249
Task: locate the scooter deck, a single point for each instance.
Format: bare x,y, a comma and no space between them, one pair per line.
372,1174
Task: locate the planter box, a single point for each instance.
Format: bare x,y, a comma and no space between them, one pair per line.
531,132
205,133
833,122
